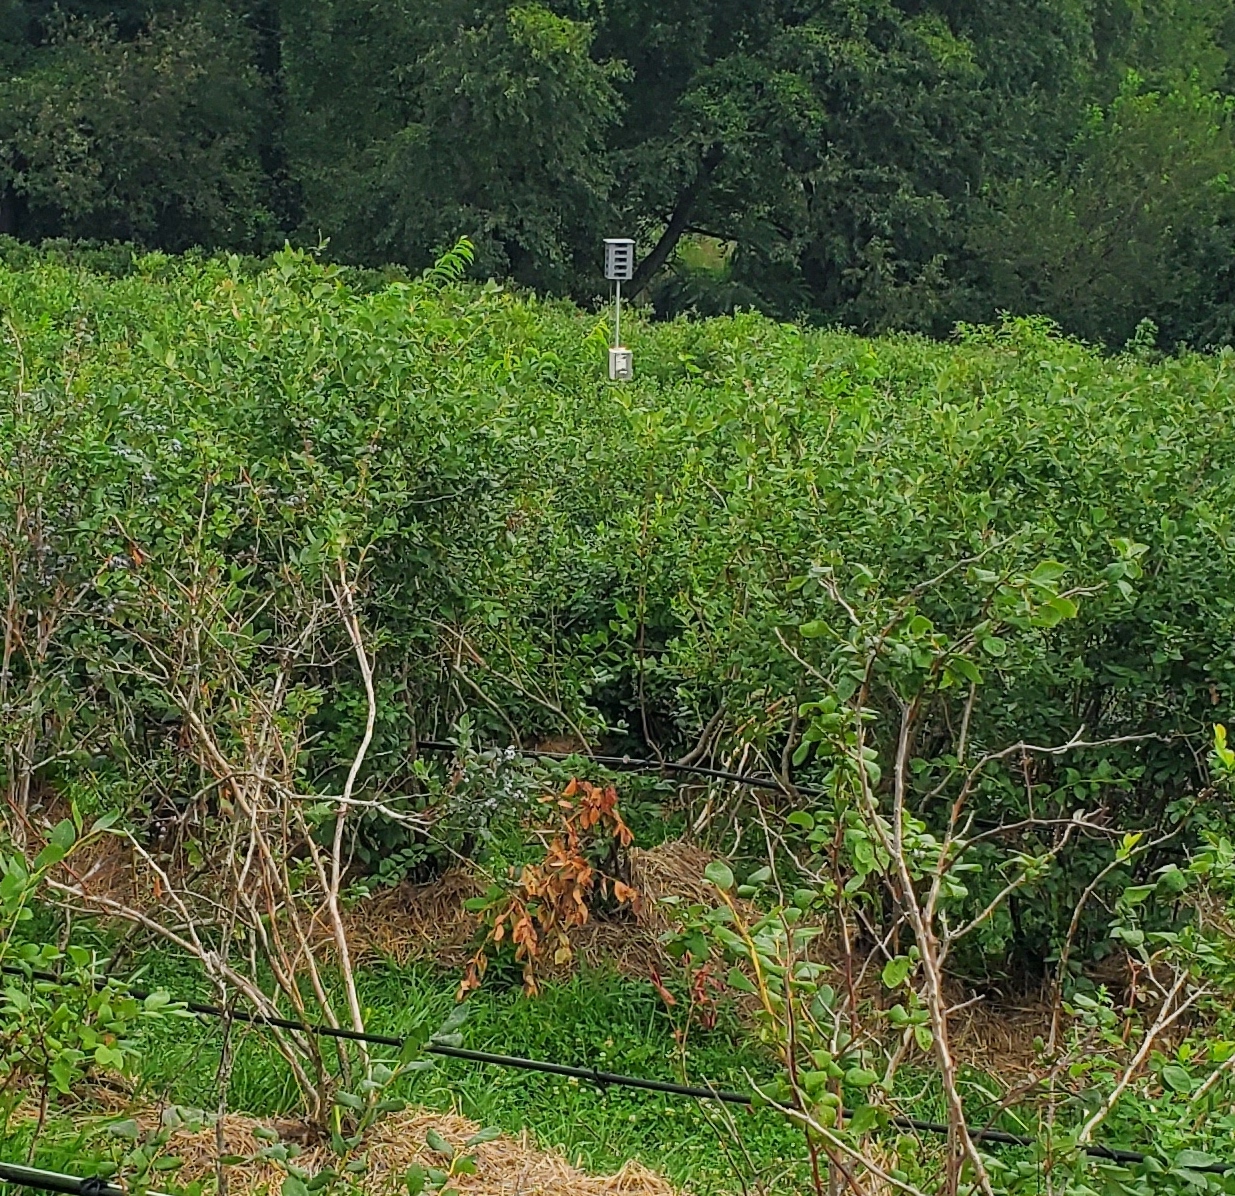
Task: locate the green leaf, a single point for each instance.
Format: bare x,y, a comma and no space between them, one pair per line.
414,1179
896,970
456,1018
1047,616
413,1043
801,819
813,1080
439,1144
48,857
1171,880
860,1077
994,646
489,1134
293,1185
863,1119
738,979
964,667
1046,573
64,835
1176,1078
61,1072
1136,894
719,874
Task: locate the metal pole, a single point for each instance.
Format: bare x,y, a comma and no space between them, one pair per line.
617,316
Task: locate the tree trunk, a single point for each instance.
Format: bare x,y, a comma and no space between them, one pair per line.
285,195
679,222
8,211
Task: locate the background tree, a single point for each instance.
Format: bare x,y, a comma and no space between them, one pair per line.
410,123
835,145
1137,223
876,163
153,138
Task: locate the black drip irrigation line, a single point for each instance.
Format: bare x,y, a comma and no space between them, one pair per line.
602,1080
635,764
632,764
53,1181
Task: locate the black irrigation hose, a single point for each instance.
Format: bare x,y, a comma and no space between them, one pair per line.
630,763
53,1181
635,764
602,1079
68,1185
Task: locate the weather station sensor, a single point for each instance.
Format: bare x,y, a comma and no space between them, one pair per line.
619,268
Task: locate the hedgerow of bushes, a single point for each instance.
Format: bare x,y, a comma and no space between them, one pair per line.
548,553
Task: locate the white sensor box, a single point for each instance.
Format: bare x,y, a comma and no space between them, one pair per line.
621,365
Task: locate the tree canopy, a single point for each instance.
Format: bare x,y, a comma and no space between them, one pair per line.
875,163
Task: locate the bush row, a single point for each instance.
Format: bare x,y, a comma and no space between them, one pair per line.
199,443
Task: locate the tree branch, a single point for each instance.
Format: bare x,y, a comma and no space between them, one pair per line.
679,222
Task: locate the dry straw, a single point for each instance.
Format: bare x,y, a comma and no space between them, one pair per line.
504,1167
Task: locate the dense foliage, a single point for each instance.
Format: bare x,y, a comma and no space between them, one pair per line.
966,609
549,555
882,163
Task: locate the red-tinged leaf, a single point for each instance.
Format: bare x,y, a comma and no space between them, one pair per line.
664,994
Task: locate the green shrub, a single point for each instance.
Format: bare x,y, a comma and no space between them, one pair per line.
551,554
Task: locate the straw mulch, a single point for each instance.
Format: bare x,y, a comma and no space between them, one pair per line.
504,1167
417,921
429,921
1000,1038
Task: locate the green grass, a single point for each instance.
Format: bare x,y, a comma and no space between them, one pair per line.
595,1019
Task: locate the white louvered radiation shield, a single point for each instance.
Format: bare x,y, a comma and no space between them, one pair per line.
619,259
